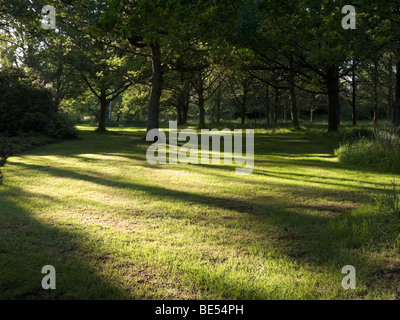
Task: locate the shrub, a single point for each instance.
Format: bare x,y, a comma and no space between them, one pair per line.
27,141
6,151
380,151
357,134
61,128
26,105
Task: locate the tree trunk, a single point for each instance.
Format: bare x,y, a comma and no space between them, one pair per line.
243,112
332,84
185,107
58,95
293,111
276,106
185,111
354,99
102,112
179,114
376,98
390,91
312,109
285,111
156,89
396,106
218,111
179,107
202,123
200,95
267,105
244,102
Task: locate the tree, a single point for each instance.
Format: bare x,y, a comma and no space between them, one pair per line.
241,85
106,74
106,69
205,83
179,85
159,39
304,41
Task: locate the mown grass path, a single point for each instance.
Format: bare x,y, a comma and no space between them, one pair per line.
115,227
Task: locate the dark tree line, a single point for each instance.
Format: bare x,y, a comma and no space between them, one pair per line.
261,58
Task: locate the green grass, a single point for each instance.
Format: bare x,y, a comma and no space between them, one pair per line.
115,227
378,149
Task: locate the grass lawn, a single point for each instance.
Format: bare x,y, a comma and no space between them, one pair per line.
115,227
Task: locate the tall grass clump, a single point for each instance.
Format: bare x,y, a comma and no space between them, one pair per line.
373,228
378,150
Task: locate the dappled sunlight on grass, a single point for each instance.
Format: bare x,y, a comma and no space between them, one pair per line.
188,231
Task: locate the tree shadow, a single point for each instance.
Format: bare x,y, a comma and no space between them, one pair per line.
27,245
296,227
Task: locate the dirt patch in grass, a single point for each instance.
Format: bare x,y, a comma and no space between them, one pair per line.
389,278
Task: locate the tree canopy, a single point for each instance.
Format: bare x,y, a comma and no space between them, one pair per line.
289,53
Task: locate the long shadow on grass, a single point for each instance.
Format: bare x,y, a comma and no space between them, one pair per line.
27,245
303,237
328,180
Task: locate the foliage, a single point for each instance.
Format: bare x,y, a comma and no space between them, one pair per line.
26,105
27,141
6,150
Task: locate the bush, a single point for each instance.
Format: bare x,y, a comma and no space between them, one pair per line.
26,105
357,134
380,150
6,151
61,128
28,141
